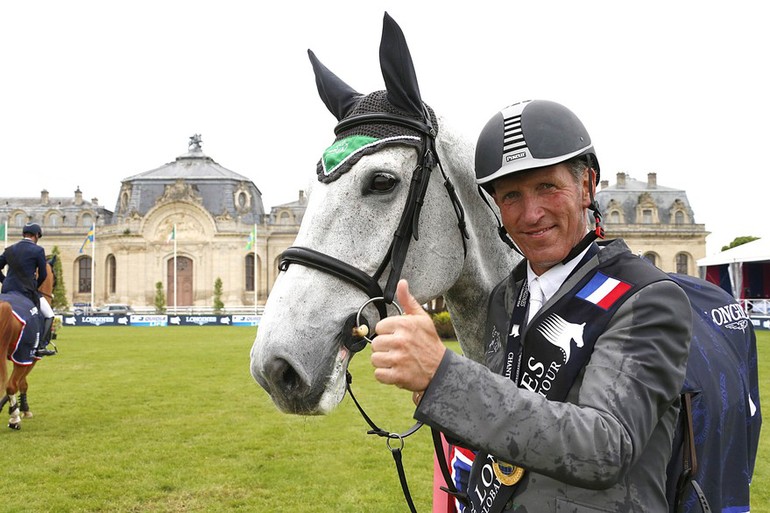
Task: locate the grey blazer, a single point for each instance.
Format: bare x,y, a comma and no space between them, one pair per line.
607,446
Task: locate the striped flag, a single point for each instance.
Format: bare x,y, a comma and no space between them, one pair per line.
252,237
4,233
172,235
89,238
603,290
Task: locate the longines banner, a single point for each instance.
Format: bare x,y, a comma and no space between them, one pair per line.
160,320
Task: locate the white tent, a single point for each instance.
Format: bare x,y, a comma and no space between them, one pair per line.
754,251
735,258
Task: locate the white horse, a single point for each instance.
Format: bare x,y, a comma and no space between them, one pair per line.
354,243
299,356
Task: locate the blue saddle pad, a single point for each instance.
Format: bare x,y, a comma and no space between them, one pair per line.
27,313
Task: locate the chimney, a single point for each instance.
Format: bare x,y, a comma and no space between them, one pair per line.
44,197
621,177
604,184
78,196
301,196
95,202
652,180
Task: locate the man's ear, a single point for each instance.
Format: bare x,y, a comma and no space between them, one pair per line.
589,182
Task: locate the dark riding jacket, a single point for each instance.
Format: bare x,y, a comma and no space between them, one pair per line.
24,259
605,447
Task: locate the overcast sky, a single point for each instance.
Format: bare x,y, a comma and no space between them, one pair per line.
92,92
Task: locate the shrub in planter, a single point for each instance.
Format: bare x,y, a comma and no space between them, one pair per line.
444,325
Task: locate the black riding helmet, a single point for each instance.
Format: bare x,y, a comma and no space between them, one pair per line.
32,229
529,135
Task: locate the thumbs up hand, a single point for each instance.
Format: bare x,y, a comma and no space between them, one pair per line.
407,350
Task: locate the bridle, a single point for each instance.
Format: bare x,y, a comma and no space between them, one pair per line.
394,257
407,226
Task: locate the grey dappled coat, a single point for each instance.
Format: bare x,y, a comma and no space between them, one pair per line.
607,446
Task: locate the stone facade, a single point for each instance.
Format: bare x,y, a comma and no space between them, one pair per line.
655,221
211,210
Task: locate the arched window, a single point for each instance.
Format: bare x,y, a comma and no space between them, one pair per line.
679,217
53,220
84,274
651,258
646,216
20,220
86,220
111,274
615,217
250,269
682,263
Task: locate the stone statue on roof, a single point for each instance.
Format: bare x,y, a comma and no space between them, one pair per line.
195,143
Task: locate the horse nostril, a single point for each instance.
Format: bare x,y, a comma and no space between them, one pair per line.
283,376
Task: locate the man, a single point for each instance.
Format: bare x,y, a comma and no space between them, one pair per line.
26,272
575,404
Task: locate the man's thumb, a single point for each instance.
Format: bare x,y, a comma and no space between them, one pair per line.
406,300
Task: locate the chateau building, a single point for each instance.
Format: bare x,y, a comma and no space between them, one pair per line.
182,225
191,221
657,222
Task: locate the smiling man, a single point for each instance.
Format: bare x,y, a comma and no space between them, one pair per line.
575,405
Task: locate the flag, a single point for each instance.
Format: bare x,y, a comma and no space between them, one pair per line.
4,233
252,238
172,235
89,238
603,290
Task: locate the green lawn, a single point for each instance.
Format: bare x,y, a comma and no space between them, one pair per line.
170,420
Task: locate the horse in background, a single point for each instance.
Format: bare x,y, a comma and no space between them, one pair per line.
18,348
361,214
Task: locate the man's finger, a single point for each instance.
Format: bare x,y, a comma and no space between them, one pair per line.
408,303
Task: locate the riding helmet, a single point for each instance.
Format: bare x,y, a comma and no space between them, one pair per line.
33,229
528,135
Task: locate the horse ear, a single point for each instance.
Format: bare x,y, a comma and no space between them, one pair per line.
338,97
398,69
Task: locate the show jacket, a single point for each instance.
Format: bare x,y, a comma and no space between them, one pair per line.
606,447
29,259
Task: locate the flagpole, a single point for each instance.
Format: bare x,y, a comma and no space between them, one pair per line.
175,294
256,269
93,263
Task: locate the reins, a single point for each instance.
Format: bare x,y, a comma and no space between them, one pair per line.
395,257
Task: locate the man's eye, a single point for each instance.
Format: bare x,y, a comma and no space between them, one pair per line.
383,182
510,198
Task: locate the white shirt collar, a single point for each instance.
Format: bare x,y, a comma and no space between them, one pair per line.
553,278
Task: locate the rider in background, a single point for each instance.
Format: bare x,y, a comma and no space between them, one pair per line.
575,404
26,272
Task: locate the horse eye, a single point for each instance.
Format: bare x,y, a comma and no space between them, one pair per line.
383,182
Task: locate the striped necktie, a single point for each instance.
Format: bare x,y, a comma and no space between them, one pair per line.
535,298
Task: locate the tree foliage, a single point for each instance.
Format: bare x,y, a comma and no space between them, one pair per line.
160,298
59,301
739,241
218,304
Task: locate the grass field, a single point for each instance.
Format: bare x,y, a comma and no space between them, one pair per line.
170,420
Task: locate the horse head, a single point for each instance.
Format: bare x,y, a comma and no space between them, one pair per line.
379,212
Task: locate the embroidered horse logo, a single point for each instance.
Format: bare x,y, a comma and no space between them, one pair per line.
561,333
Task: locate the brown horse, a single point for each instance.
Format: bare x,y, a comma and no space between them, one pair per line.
10,333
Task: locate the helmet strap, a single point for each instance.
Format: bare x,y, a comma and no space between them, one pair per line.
594,206
500,228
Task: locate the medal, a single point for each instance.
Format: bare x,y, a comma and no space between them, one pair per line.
507,474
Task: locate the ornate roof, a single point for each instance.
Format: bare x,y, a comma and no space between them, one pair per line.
193,177
627,193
